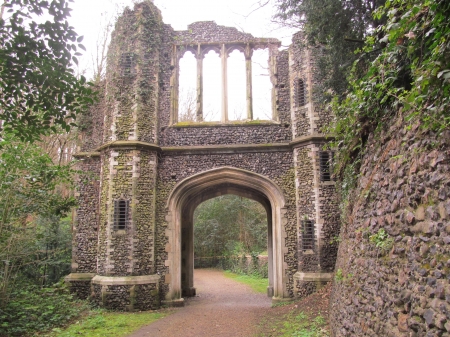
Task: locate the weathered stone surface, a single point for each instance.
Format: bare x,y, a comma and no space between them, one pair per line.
412,276
135,151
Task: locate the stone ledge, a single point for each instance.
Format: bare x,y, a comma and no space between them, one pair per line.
73,277
219,124
310,139
86,154
173,303
271,147
125,280
313,277
129,143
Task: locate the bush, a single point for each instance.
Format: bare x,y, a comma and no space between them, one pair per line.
33,310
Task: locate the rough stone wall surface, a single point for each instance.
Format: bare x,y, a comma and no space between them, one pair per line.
129,175
84,252
225,135
91,123
166,71
404,189
277,166
209,31
305,179
133,76
282,89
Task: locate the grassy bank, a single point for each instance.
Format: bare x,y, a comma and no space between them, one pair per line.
105,324
257,284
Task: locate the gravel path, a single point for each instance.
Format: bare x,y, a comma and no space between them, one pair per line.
223,307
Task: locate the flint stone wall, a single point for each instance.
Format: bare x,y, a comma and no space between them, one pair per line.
404,188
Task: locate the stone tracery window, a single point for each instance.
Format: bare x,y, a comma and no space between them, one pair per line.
224,91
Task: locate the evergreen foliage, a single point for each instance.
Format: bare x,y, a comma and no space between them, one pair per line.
340,27
229,225
38,88
410,76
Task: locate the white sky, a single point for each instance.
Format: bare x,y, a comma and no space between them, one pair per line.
89,16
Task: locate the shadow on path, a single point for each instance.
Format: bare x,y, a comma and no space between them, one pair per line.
223,307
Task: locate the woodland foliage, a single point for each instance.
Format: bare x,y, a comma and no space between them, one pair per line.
39,90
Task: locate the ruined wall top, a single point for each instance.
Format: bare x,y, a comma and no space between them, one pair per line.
205,32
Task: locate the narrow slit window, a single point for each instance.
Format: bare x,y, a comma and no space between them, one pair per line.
121,214
300,93
325,165
127,64
308,228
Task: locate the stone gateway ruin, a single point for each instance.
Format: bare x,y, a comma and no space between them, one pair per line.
146,171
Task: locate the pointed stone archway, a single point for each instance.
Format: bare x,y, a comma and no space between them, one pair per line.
192,191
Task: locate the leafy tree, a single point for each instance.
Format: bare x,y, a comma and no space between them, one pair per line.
340,27
411,75
38,88
229,223
29,201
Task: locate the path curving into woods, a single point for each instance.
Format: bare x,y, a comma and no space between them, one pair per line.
222,308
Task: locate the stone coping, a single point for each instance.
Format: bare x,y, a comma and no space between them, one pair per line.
253,41
129,143
87,154
313,277
125,280
310,139
219,124
234,148
79,277
272,147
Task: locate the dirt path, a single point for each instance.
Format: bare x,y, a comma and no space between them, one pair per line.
223,307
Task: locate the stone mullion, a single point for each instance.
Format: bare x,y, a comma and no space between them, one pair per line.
199,85
224,55
248,70
175,86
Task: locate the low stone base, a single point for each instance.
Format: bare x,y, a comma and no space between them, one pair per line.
173,303
130,293
190,292
80,284
308,283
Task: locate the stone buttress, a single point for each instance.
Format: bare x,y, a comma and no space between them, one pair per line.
146,171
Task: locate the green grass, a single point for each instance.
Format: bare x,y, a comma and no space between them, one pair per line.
295,325
300,325
257,284
107,324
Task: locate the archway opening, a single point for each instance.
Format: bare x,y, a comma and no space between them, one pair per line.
192,191
231,231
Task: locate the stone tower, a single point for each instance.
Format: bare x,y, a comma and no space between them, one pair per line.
147,172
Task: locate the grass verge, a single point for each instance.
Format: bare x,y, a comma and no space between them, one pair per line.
257,284
295,324
104,324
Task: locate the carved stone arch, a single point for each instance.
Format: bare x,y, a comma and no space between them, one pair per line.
190,192
232,48
182,50
207,49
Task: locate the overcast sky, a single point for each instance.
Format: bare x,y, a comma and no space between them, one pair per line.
90,16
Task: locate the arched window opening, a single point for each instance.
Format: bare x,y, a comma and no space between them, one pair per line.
262,86
187,96
236,86
212,87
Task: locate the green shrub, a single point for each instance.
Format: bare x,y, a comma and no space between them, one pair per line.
35,310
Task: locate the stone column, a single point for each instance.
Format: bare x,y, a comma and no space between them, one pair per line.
224,55
174,86
199,84
248,67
